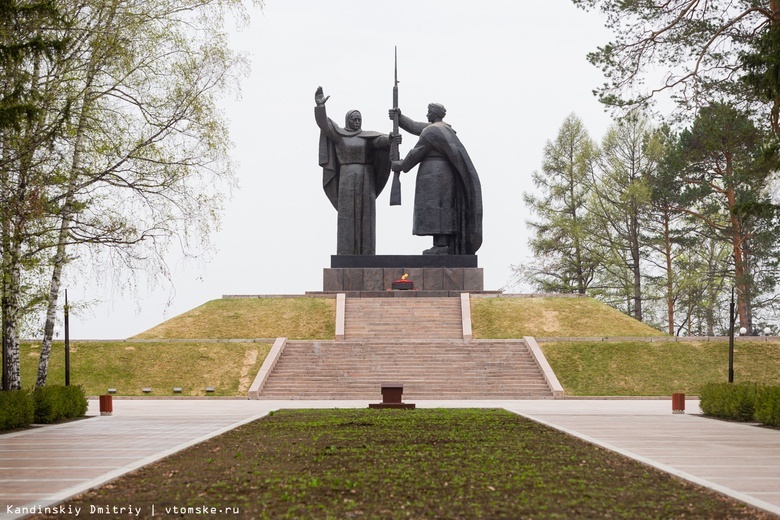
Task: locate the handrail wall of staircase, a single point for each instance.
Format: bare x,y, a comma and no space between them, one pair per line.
265,370
544,366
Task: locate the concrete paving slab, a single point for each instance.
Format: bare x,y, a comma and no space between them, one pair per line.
60,461
717,454
51,464
76,472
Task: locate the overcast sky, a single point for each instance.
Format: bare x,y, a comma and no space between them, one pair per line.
507,71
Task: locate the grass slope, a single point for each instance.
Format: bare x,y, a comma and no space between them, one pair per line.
244,318
390,464
506,318
229,367
592,369
642,368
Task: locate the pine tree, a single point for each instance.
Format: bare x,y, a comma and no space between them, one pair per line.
725,167
717,49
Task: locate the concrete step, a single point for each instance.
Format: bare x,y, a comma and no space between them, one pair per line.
410,393
388,376
452,369
416,342
379,318
372,383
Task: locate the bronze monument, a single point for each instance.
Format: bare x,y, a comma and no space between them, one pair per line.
448,195
355,168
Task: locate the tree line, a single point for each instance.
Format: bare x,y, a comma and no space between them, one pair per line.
112,145
668,214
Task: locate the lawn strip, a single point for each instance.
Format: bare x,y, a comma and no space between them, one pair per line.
507,318
425,463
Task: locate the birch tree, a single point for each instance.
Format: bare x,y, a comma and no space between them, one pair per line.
147,141
28,45
142,157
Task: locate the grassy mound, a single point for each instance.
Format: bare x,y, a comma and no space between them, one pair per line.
245,318
583,368
228,367
506,318
642,368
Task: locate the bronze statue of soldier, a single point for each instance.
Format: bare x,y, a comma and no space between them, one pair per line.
448,194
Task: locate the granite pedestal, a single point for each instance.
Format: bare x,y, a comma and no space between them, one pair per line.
428,272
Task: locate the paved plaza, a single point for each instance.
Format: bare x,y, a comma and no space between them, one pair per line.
46,465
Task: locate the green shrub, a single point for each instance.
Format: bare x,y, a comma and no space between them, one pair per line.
736,402
46,407
75,401
16,409
53,403
768,406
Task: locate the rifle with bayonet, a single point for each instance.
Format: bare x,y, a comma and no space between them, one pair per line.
395,154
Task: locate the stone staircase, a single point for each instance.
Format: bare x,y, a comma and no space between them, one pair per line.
402,318
417,342
443,369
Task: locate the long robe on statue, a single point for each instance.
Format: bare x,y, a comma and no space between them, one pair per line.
355,168
448,194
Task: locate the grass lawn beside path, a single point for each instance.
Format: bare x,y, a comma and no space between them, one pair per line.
584,368
425,463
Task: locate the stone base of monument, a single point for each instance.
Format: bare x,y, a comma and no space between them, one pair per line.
429,273
352,261
426,279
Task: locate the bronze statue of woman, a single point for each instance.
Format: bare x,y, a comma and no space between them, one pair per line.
355,168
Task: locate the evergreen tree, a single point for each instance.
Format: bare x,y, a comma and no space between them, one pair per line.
619,205
719,49
702,284
761,62
669,233
725,167
561,230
